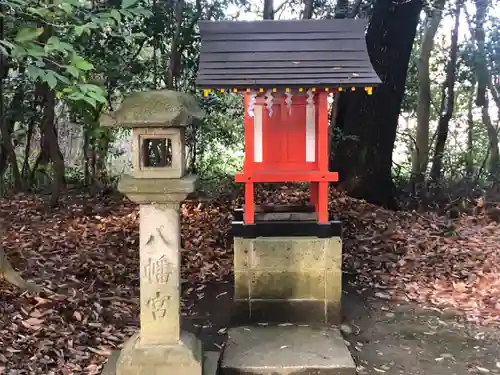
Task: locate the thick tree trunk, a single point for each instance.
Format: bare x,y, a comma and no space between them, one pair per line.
447,101
368,122
268,9
420,155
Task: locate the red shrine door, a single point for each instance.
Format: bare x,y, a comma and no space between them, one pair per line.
285,141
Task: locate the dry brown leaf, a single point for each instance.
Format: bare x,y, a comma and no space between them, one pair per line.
84,255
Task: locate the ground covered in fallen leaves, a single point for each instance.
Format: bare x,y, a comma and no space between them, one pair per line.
85,257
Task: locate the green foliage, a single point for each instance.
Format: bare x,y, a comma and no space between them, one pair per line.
218,140
43,39
89,54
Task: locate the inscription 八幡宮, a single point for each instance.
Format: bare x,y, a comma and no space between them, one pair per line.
158,305
158,270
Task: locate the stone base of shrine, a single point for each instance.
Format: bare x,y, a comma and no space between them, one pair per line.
286,350
184,358
287,280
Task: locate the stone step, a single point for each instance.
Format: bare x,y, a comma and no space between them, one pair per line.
211,363
284,350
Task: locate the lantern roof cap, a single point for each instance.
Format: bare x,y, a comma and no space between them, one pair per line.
155,108
284,53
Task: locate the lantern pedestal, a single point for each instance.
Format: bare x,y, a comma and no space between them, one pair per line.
160,347
183,358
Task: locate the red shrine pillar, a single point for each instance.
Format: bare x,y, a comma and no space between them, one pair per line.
322,143
249,208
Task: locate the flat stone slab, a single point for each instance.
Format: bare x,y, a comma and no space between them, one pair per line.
211,363
286,350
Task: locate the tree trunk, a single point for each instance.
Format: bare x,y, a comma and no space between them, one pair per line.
494,156
49,150
368,122
342,9
420,155
10,275
268,9
469,163
86,156
7,122
9,153
27,149
485,81
480,56
103,143
494,93
447,101
175,56
308,9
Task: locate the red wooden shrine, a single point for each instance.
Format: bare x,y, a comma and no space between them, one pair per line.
286,70
290,145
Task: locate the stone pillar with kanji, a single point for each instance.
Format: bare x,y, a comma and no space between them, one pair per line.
158,183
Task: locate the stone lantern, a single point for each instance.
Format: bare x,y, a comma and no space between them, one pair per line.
158,183
157,119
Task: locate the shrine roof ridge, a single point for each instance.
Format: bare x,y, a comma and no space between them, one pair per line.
285,53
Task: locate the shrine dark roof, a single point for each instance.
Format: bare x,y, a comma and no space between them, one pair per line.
268,53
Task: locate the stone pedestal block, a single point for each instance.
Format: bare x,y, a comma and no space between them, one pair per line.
160,266
182,358
288,279
160,348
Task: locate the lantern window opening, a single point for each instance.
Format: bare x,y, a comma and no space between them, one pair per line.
160,153
157,152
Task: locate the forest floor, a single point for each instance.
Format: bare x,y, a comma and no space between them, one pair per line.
384,337
423,291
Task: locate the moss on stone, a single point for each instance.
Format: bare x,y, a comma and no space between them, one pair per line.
156,108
